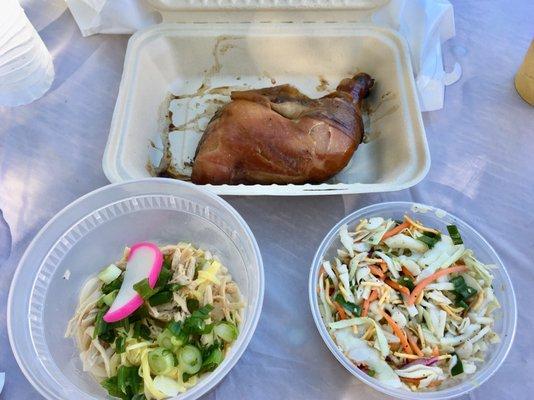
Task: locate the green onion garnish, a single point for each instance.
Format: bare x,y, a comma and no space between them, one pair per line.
174,287
164,276
128,380
109,274
458,367
212,359
160,298
112,387
429,238
226,331
455,234
353,308
462,291
190,359
160,361
107,299
192,305
100,325
141,331
120,344
143,288
110,287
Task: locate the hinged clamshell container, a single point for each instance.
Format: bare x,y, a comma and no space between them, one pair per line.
252,44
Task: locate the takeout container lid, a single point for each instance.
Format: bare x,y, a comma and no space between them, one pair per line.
127,153
266,11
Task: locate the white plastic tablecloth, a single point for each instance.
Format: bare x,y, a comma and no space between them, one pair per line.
482,147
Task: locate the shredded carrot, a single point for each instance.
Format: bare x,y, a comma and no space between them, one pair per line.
396,286
340,310
419,226
384,266
394,231
407,273
421,285
435,351
398,332
367,302
377,271
415,348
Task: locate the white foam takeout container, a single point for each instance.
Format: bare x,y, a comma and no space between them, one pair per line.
178,57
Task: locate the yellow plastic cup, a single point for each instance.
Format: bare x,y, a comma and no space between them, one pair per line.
524,79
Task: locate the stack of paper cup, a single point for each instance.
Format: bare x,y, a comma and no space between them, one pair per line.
26,68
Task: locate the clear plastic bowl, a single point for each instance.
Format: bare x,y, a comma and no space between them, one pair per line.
92,232
506,316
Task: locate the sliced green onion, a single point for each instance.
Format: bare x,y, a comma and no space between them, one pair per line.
203,312
195,324
213,359
143,288
171,342
347,305
120,344
128,380
405,281
107,299
160,298
167,264
139,314
160,361
458,367
110,287
123,323
371,372
100,325
180,337
190,359
455,234
141,331
109,274
226,331
429,238
164,276
108,336
111,385
192,305
462,291
174,287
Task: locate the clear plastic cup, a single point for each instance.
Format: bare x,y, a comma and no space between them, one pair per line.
26,67
505,317
91,233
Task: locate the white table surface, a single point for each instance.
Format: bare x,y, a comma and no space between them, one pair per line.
482,147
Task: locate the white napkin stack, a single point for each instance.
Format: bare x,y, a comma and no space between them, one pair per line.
26,68
425,24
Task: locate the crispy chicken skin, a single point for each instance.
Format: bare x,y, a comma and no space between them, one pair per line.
279,135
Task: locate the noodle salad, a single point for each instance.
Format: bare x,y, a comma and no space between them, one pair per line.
184,329
409,305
